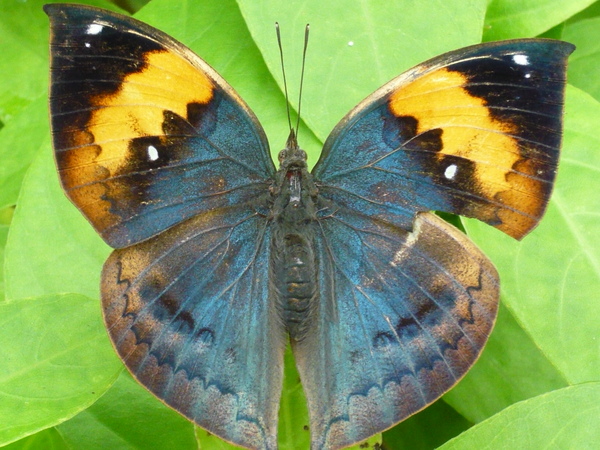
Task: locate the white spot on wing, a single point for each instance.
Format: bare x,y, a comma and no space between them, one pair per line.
450,171
94,28
522,60
152,153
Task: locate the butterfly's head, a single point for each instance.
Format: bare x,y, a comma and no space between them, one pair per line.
292,156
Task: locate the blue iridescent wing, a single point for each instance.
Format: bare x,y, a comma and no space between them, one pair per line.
406,302
474,132
145,133
187,312
403,316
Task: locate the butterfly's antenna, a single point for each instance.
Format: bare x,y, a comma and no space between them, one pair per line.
306,30
287,100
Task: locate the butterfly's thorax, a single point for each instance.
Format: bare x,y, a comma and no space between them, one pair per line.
292,267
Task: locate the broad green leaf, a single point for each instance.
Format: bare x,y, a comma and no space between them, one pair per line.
24,62
566,418
51,247
426,430
584,63
20,141
131,5
48,439
128,417
511,368
509,19
56,361
550,280
555,32
355,46
591,11
5,219
294,429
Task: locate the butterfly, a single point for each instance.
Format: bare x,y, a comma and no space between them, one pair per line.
221,258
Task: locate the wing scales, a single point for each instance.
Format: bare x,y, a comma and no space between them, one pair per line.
474,132
414,310
145,133
189,314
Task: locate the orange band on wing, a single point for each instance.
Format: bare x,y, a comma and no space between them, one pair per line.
101,150
439,101
167,83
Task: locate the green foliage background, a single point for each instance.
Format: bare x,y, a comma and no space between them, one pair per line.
537,384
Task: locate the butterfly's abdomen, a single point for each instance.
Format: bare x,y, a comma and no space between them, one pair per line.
293,269
294,278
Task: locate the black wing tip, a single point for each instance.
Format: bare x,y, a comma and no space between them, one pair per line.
566,47
51,9
63,9
64,12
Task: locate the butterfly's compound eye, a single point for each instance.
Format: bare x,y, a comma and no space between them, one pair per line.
282,156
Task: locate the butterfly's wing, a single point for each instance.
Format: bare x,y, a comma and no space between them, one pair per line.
406,302
403,316
474,132
187,312
145,133
170,166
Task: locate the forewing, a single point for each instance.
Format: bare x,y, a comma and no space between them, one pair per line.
402,316
188,313
475,132
145,133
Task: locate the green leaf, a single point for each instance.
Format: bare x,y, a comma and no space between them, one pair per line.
566,418
24,62
48,439
549,280
508,19
426,430
585,34
20,141
355,46
56,361
130,5
51,247
591,11
512,368
5,219
128,417
294,429
554,32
